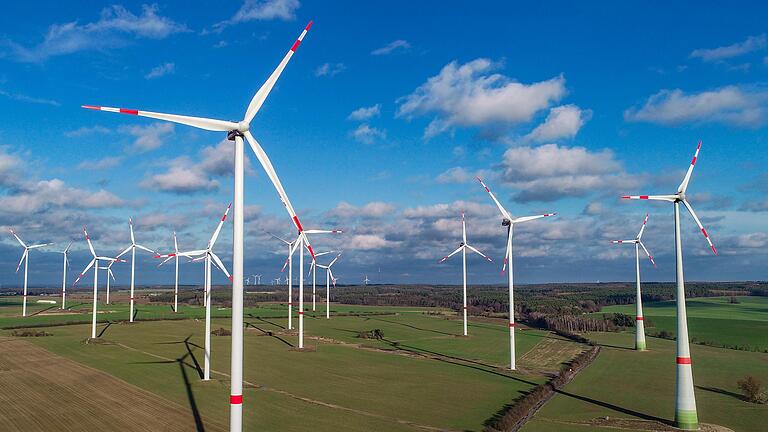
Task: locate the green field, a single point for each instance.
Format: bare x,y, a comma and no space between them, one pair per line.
423,375
626,384
712,320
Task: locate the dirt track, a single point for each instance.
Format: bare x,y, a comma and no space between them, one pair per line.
40,391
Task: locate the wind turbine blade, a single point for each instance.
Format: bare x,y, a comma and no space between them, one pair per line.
504,212
451,254
633,241
701,227
334,260
507,253
530,218
109,271
125,251
146,249
82,273
130,226
23,256
684,185
39,245
333,279
478,252
198,259
198,122
17,238
270,170
220,265
670,198
261,95
218,228
90,245
650,257
66,250
645,221
166,260
279,238
316,231
175,243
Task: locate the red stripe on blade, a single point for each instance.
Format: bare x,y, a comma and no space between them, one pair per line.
693,161
235,399
295,45
704,232
308,26
298,224
643,196
683,360
129,111
93,107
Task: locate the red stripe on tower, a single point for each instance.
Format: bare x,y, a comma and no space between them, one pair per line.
639,318
684,360
129,111
235,399
301,313
511,325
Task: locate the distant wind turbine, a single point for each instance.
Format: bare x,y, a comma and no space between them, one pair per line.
313,271
639,324
168,257
685,406
65,253
328,278
463,246
132,248
25,260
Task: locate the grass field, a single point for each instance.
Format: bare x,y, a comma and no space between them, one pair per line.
713,320
626,384
423,376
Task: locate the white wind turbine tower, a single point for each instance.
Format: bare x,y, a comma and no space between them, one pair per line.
25,260
463,246
132,248
289,278
168,257
257,277
639,325
328,278
509,222
95,264
313,271
108,268
685,406
209,257
65,253
236,131
301,244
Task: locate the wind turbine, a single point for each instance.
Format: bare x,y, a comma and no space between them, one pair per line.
257,277
108,268
685,406
95,264
132,248
25,260
329,277
509,222
463,246
168,257
65,253
366,280
639,326
209,257
289,278
236,131
247,280
313,270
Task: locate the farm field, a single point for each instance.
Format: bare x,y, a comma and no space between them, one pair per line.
422,376
624,384
712,319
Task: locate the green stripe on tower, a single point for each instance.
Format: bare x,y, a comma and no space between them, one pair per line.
640,345
686,420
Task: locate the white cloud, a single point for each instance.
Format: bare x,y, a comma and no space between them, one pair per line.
100,164
459,175
399,44
161,70
753,240
114,24
31,99
181,180
329,70
368,242
470,95
87,131
365,113
262,10
728,105
374,209
751,44
44,194
148,137
367,134
562,122
550,172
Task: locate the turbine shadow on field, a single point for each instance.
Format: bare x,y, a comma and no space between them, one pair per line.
269,333
42,310
722,392
266,321
616,408
103,330
413,327
615,347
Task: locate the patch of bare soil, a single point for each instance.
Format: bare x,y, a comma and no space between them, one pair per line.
646,425
42,392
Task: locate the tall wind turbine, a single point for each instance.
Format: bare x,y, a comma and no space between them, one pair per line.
289,278
108,268
328,278
313,271
25,260
95,264
509,222
168,257
463,246
132,248
65,253
237,131
685,400
209,257
639,325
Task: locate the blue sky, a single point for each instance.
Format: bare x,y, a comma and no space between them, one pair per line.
378,126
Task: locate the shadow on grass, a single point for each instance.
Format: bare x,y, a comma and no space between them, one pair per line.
103,330
616,347
42,310
616,408
413,327
266,321
722,392
269,333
